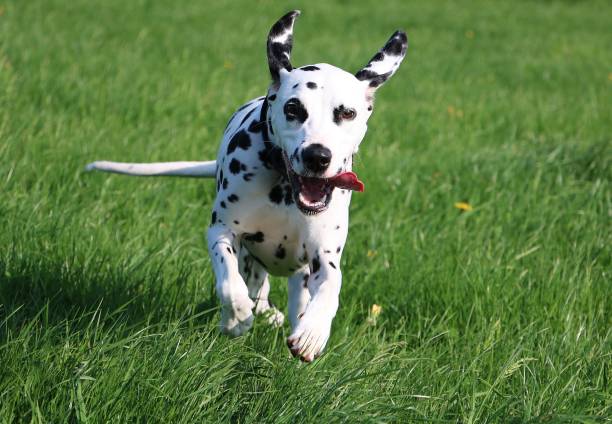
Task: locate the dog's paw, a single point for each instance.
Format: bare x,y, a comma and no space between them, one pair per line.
237,317
309,337
272,315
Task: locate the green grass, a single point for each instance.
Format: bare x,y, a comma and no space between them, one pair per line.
501,314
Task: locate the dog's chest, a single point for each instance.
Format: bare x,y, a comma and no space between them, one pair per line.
275,239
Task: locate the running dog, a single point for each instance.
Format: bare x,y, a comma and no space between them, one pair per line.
284,183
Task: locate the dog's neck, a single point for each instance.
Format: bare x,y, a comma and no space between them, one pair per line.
272,155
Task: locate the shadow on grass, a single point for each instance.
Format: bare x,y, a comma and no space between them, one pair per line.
55,293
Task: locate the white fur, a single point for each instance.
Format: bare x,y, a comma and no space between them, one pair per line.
179,169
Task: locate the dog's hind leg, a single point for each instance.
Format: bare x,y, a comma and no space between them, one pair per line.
256,278
236,305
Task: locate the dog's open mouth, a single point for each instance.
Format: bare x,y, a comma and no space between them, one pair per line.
312,195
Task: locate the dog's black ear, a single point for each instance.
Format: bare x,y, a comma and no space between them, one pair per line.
384,63
280,42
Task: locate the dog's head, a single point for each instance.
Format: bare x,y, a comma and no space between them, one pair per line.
319,113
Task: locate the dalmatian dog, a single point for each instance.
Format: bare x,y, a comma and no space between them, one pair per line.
284,182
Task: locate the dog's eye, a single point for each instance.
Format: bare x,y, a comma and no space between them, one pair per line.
348,114
295,110
342,113
291,110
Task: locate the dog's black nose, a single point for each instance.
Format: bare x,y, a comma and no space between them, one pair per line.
316,157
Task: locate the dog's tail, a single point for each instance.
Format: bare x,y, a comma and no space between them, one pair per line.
176,169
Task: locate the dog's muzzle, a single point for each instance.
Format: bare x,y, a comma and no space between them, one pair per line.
312,195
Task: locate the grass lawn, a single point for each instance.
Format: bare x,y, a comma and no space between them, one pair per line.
500,314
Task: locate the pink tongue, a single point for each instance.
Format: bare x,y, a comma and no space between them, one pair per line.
347,180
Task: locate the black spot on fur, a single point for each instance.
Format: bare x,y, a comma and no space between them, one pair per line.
234,166
295,110
233,198
272,97
259,261
263,117
311,85
374,78
316,265
337,227
261,125
222,259
220,179
213,219
370,107
255,126
272,157
244,106
327,251
296,85
247,176
249,113
240,139
332,265
236,222
258,237
280,252
224,185
397,44
310,68
378,57
338,249
223,204
229,250
276,194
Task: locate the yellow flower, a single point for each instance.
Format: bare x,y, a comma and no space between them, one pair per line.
463,206
376,310
371,253
469,33
454,112
228,65
610,76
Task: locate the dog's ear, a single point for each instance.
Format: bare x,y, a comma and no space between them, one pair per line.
384,63
280,42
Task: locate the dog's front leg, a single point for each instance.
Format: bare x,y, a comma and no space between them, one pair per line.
236,306
310,336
